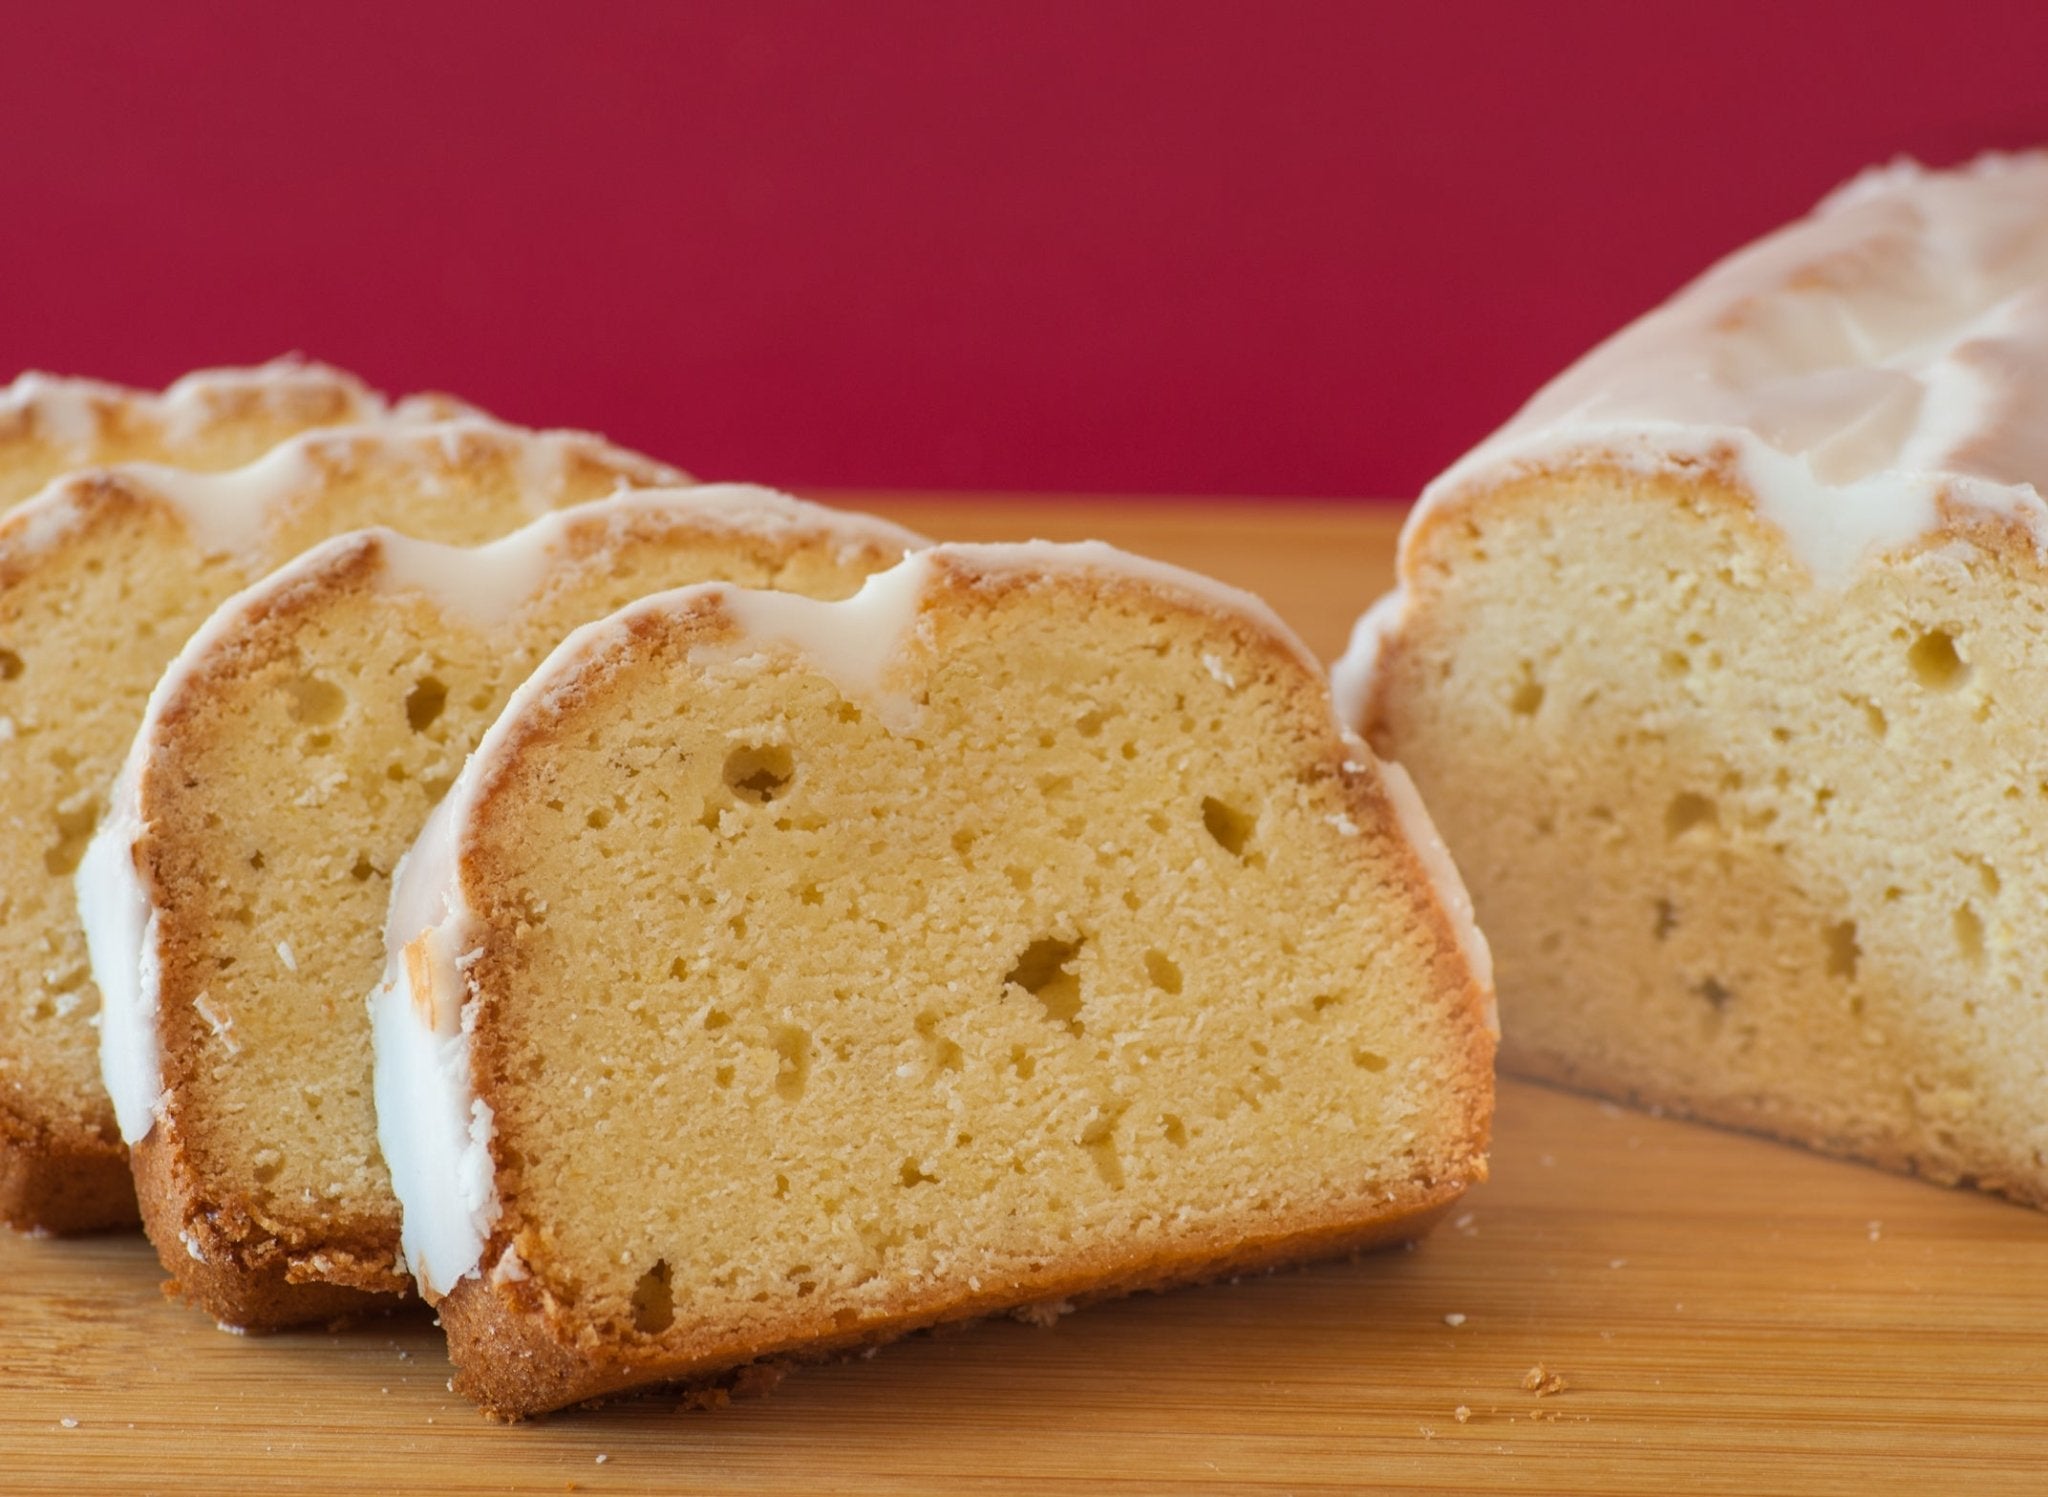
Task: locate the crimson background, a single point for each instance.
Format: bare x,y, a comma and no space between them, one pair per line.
1194,247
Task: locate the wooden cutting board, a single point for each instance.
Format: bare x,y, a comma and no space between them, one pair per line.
1724,1314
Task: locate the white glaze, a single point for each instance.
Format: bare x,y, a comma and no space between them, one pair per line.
1850,372
1351,677
434,1130
486,584
120,937
1451,894
69,412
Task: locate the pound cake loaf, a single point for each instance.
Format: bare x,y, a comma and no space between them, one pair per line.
103,577
209,420
288,759
1721,667
782,976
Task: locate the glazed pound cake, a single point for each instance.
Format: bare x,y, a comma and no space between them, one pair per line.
289,756
1720,667
102,578
209,420
783,975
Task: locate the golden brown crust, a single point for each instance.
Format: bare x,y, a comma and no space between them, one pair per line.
231,1270
517,1360
62,1180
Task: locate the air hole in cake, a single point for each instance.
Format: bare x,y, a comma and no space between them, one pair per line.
1667,919
74,831
1023,1063
1687,811
782,1187
1527,696
1715,992
1365,1060
1042,972
945,1054
1164,973
1970,935
1935,662
267,1163
718,1018
1089,724
10,666
758,773
1987,876
722,1077
1843,952
654,1305
1099,1139
1176,1131
315,701
599,818
793,1060
256,861
1231,827
911,1173
424,703
1676,663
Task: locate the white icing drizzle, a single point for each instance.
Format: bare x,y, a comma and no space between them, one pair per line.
1857,366
120,937
1451,893
1850,371
434,1130
484,583
69,412
1351,677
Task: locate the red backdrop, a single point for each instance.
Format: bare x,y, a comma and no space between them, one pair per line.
1188,247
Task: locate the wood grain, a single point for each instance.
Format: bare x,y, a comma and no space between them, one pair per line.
1728,1315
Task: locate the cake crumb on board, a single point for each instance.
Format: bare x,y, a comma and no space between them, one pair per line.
1541,1381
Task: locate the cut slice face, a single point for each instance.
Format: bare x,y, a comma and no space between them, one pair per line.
290,755
785,975
1719,664
207,421
103,577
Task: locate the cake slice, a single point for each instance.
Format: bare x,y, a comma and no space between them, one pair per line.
1720,667
209,420
103,577
289,757
782,975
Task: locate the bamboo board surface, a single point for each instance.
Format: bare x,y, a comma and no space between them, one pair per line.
1728,1315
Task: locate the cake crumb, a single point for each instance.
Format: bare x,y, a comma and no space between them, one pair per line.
1541,1381
1617,1263
602,1457
68,1422
1461,1413
1876,1230
1454,1319
1044,1313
